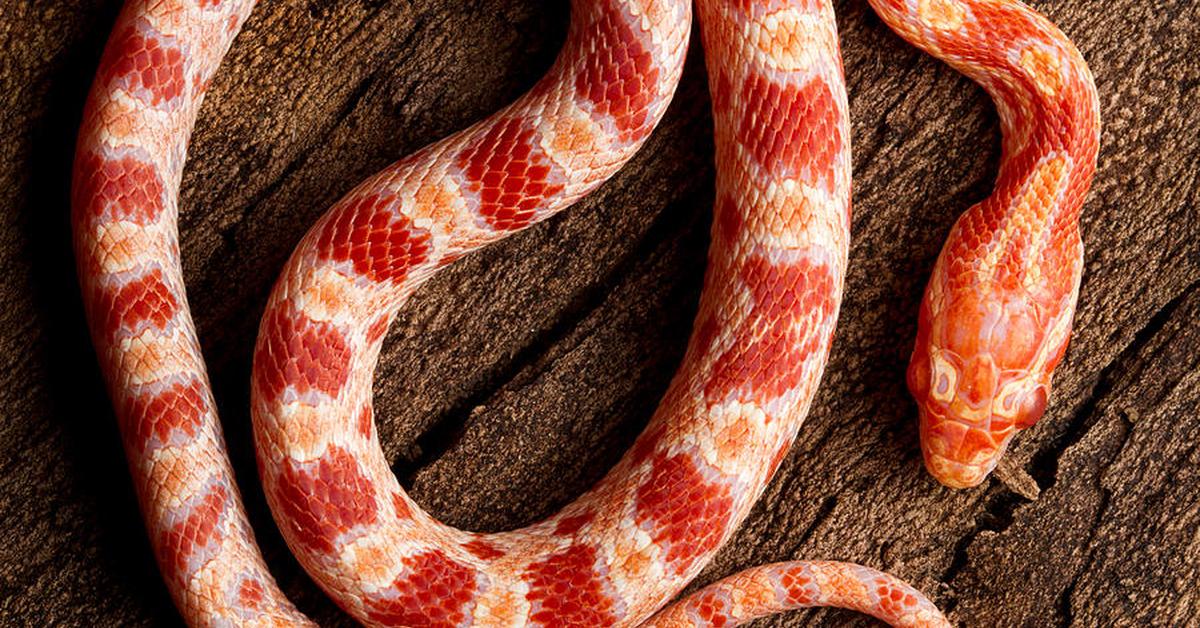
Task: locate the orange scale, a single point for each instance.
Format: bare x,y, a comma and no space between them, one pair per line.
975,447
944,437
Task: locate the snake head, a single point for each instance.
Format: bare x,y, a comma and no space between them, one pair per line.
980,372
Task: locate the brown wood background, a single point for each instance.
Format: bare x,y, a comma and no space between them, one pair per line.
515,379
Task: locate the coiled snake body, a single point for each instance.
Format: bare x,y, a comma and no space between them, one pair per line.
993,325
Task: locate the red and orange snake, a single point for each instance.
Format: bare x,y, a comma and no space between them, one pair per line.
993,325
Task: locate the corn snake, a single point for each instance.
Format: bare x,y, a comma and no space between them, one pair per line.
772,290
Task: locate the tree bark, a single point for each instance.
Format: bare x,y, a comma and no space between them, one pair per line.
516,378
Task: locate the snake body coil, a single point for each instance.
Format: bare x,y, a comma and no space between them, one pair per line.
772,291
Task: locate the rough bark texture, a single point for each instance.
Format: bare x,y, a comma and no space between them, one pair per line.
515,379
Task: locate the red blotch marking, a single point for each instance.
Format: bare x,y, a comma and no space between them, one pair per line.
510,173
198,531
325,498
250,594
181,407
570,525
117,188
729,220
789,129
722,91
714,609
145,300
296,351
682,510
365,421
894,600
433,590
618,74
381,244
791,303
145,64
705,336
797,583
566,589
401,506
449,258
377,329
483,550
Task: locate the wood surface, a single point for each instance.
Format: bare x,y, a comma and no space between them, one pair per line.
514,380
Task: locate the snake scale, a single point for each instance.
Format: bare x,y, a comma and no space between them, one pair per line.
993,324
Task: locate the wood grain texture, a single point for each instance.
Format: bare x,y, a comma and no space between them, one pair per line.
513,381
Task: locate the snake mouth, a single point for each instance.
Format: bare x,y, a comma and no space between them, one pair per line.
954,474
959,454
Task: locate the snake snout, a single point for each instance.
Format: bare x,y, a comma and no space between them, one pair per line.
957,453
955,474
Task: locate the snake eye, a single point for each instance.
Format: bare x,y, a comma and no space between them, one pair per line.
1033,406
943,385
944,379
